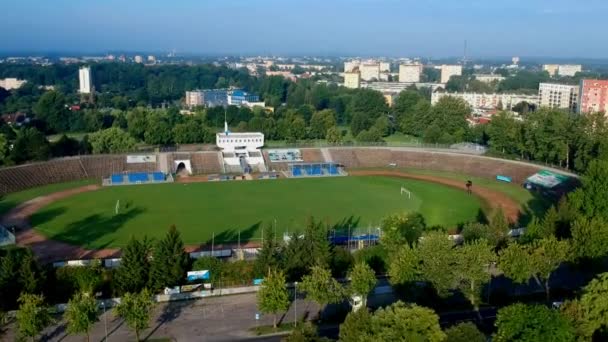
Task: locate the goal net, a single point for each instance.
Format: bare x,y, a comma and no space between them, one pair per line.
406,192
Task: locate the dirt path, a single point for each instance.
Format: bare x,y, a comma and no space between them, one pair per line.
494,199
52,250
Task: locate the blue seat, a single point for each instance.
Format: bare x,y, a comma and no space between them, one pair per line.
333,170
316,170
296,172
138,177
116,179
158,176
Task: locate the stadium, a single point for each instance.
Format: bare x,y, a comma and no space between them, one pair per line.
89,206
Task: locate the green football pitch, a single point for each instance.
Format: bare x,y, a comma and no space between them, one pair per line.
229,209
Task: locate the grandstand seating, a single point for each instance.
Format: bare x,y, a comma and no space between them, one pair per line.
312,155
117,179
205,162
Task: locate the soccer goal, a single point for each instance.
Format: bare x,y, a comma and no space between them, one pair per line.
406,192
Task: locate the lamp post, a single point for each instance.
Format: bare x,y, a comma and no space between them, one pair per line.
295,304
105,319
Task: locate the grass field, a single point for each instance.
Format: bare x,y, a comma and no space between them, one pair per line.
201,209
12,200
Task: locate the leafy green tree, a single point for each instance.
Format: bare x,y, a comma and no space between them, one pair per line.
528,323
589,238
273,296
333,135
450,114
169,261
474,260
594,303
465,332
438,261
321,287
33,316
362,281
592,197
401,322
537,260
402,229
30,144
371,135
51,107
81,314
320,122
136,309
269,255
133,273
503,133
499,229
357,327
475,231
111,140
359,123
4,151
575,313
403,267
158,130
297,130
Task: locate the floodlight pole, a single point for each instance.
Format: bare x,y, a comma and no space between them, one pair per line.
212,243
105,319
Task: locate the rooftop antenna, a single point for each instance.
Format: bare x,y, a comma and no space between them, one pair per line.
464,58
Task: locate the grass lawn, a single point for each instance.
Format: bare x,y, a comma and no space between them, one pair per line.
12,200
530,203
401,138
227,208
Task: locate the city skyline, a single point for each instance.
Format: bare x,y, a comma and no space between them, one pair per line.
434,29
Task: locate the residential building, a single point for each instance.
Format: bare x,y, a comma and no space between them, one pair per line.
349,66
390,97
515,60
85,81
388,87
286,74
593,96
488,78
385,66
369,71
488,101
558,96
352,79
207,97
447,71
11,83
237,97
410,72
569,69
551,69
151,59
139,59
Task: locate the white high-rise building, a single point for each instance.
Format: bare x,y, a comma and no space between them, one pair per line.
410,73
569,69
385,67
558,96
370,71
349,66
85,81
139,59
448,71
352,79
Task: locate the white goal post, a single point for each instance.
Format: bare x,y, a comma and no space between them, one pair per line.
406,191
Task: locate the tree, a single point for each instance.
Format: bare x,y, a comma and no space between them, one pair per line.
449,114
402,229
362,281
269,255
133,273
437,261
30,144
111,140
169,261
333,135
592,197
536,260
321,287
320,122
33,316
81,314
474,260
575,313
401,322
475,231
529,323
359,123
589,238
403,267
135,309
51,107
594,302
4,150
357,327
499,229
465,332
273,296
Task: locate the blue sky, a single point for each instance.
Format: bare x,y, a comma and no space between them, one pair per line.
433,28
